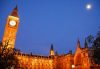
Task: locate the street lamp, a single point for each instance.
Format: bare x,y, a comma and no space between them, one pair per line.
73,66
12,67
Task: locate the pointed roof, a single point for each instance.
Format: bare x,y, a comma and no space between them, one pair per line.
78,44
78,40
16,8
56,52
15,11
85,44
51,46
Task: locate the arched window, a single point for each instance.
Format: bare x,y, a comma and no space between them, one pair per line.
22,63
26,68
42,64
34,64
78,59
26,63
38,64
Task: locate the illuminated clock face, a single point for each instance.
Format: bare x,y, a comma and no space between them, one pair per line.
12,23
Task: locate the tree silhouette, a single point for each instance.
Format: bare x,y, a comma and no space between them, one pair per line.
95,41
7,57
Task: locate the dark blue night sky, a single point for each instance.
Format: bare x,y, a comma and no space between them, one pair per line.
46,22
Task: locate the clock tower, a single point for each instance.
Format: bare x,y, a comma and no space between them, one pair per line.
11,28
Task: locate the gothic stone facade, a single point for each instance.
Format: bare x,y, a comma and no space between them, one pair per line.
81,59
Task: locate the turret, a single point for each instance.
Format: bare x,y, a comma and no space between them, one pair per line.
30,53
78,43
70,51
51,50
85,44
56,53
19,51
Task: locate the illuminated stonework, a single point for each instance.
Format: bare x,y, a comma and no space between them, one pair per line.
83,57
30,61
80,60
11,29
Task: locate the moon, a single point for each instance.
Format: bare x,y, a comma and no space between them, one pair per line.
88,6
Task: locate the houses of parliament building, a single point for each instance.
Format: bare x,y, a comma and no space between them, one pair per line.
80,60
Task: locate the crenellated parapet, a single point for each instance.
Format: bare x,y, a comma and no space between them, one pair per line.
33,60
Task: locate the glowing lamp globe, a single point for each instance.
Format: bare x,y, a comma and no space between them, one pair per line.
73,66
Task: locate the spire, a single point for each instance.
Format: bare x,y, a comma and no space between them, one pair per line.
19,50
85,44
51,46
56,53
16,7
78,42
15,11
51,51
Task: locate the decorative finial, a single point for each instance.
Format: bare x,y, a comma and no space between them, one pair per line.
26,52
86,45
78,42
16,7
17,3
78,39
45,55
51,46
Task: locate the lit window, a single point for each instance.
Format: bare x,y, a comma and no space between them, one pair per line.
35,60
22,63
34,64
42,64
27,63
31,63
27,60
38,64
84,54
18,58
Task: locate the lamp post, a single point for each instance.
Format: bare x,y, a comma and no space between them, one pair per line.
73,66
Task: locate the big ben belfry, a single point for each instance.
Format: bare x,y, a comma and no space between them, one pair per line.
11,28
